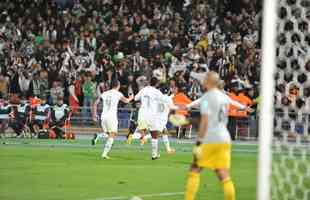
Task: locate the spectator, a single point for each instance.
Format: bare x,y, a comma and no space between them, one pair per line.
89,91
73,99
78,89
56,92
104,84
181,99
233,112
24,83
112,39
20,116
35,86
59,114
4,86
44,85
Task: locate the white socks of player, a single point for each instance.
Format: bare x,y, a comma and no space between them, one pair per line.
108,146
148,136
101,135
154,148
136,135
166,142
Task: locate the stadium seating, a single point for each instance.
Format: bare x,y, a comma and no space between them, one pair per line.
74,48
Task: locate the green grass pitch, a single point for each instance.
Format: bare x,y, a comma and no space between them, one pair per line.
73,170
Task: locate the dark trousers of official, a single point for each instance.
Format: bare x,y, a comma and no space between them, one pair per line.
18,126
57,128
182,132
232,125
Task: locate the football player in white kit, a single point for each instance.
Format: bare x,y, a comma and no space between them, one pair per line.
147,113
109,121
165,104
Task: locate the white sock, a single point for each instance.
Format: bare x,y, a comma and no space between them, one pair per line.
101,135
148,136
108,146
154,148
136,135
166,142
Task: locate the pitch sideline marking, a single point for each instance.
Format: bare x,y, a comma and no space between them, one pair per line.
67,145
165,194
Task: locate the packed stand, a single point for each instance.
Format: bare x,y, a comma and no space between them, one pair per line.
71,50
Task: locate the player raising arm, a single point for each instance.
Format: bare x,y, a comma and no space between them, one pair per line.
109,121
196,103
213,145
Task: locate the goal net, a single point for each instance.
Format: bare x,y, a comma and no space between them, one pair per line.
286,170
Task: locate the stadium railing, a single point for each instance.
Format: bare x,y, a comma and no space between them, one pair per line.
245,129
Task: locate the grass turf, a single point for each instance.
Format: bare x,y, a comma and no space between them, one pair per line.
62,170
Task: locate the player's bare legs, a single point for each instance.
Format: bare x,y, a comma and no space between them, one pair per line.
228,186
142,137
155,154
166,142
108,145
97,136
137,135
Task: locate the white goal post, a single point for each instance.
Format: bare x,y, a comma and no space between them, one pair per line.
267,95
284,139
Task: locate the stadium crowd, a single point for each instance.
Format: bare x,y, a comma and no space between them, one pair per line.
73,49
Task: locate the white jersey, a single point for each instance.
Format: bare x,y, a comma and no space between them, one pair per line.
110,100
196,103
215,104
149,107
164,104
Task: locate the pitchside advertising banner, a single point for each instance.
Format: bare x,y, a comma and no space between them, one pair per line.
245,128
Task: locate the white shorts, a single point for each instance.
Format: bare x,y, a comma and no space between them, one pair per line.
149,123
143,122
109,124
162,124
156,127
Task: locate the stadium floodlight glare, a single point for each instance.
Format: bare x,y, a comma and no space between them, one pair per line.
267,95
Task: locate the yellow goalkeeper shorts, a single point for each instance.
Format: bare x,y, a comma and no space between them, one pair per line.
215,156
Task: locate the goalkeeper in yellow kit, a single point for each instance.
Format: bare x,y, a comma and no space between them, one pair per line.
213,146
